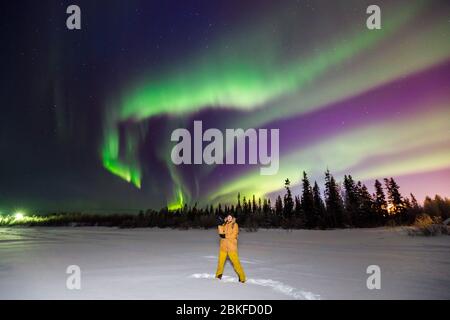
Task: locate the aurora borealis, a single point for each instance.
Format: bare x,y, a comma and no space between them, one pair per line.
93,130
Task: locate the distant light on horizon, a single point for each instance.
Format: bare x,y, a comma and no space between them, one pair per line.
19,216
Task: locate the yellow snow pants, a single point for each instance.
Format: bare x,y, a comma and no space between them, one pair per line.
234,257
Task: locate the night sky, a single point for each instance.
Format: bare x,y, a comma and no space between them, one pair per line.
86,115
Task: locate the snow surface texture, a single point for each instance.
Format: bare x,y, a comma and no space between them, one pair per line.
276,285
174,264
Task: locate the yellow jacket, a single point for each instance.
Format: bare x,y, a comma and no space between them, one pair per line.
230,232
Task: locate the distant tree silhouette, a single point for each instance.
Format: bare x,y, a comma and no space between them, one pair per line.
238,206
259,205
297,206
279,206
414,203
266,207
245,206
396,205
307,202
367,216
356,207
352,202
437,207
380,203
333,201
319,207
288,201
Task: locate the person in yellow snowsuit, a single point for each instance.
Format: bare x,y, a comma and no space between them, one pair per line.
228,232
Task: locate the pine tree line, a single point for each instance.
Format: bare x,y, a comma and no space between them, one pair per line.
345,205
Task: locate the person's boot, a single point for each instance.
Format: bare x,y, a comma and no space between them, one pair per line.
241,281
219,277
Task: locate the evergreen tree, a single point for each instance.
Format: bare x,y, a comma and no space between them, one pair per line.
413,209
244,206
265,206
333,201
414,203
239,201
380,203
288,201
278,206
319,207
238,205
367,215
298,206
352,202
407,203
395,200
307,201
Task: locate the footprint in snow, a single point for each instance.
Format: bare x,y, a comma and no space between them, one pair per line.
275,285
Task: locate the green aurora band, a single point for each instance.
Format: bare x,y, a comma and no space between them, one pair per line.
238,78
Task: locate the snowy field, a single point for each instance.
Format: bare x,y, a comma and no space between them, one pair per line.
173,264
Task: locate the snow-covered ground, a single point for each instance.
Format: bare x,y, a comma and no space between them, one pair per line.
174,264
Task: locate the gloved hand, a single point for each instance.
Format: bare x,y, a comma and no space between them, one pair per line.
219,220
